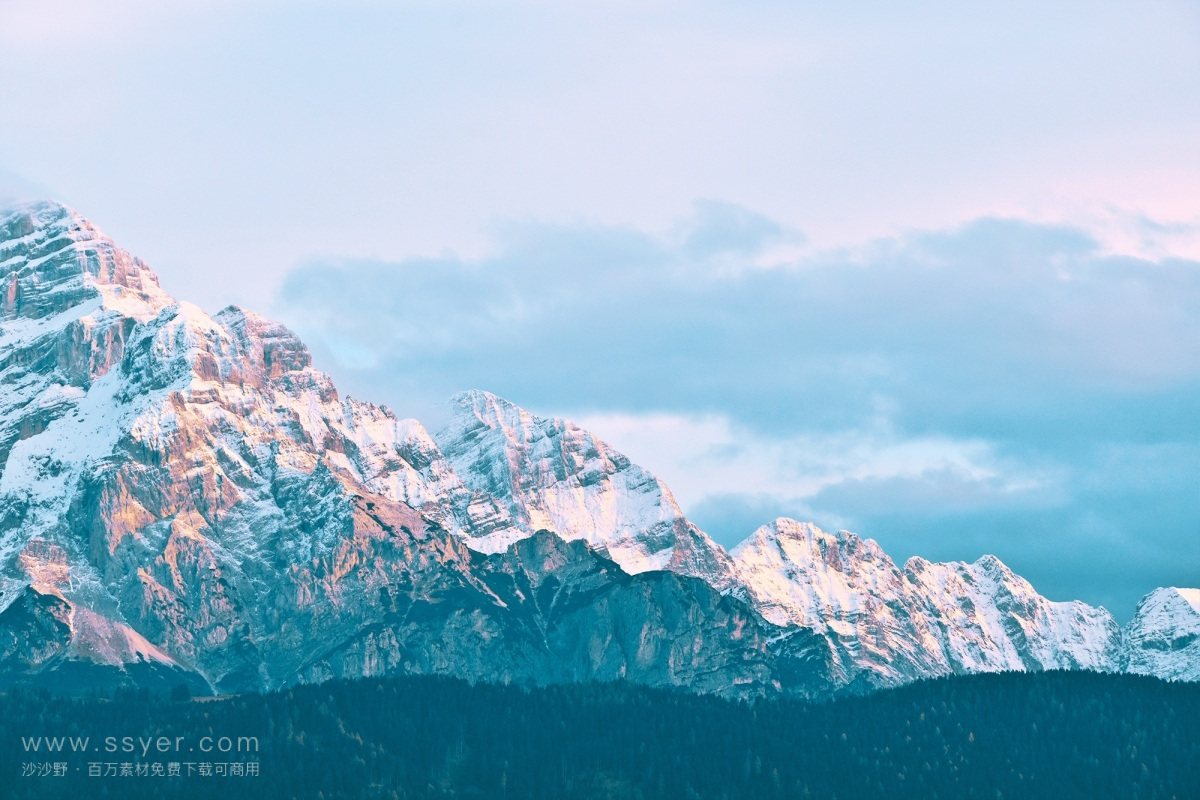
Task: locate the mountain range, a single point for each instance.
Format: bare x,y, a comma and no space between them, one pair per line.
184,498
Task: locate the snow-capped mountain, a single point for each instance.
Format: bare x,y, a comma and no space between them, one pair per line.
893,625
1164,637
846,588
185,490
548,473
183,497
991,619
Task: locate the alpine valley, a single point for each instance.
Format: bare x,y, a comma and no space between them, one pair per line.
185,499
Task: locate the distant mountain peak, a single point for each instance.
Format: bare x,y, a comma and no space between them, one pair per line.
478,400
992,563
802,544
493,411
1190,596
1164,636
981,616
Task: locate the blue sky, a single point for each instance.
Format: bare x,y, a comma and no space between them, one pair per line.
928,271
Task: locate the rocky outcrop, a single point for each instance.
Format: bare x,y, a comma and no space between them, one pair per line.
554,611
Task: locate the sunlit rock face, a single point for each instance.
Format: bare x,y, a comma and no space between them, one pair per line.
550,474
183,497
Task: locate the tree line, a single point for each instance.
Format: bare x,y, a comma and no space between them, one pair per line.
1055,735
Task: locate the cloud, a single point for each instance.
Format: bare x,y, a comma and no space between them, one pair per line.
1105,528
387,129
15,188
700,456
35,25
934,383
1135,233
726,229
990,329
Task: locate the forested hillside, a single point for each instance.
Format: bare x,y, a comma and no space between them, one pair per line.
1060,735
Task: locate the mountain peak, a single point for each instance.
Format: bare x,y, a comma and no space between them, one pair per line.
992,565
786,526
473,398
52,259
1190,596
489,408
1181,599
786,529
25,218
1164,637
278,347
549,473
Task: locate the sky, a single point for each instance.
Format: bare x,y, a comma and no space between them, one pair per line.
926,271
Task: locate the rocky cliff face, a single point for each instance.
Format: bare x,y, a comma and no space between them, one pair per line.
184,497
990,619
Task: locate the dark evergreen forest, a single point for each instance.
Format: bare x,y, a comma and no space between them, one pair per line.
1053,735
